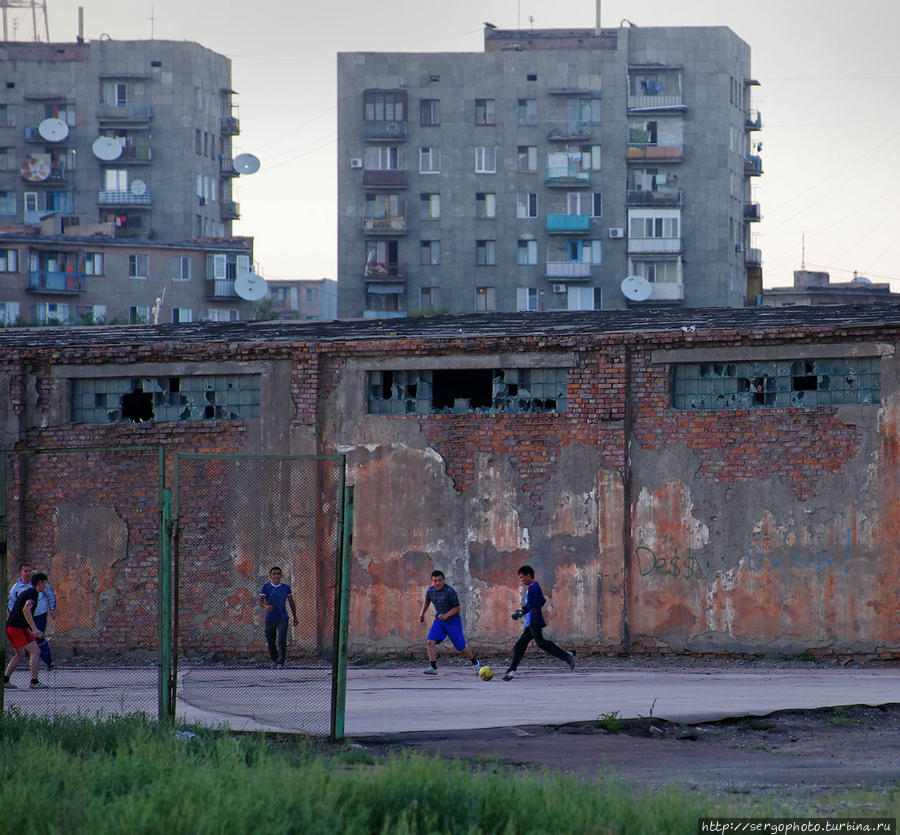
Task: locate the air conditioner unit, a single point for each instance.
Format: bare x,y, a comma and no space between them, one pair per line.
617,232
356,162
559,288
738,247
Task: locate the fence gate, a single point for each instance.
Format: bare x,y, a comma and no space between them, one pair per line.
235,517
90,520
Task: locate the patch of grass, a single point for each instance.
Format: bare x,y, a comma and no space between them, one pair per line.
839,717
610,721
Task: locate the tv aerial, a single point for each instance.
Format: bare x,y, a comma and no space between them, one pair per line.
53,130
246,164
251,287
636,288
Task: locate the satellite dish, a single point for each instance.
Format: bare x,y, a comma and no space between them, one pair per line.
53,129
139,187
251,287
246,164
106,148
636,288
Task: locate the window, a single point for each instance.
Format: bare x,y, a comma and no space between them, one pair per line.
116,179
7,159
9,313
429,298
51,312
384,106
198,141
382,206
777,384
526,253
485,160
93,263
139,314
429,252
653,227
9,261
584,111
526,299
430,205
485,205
384,158
429,160
222,314
182,268
468,390
58,201
584,252
485,112
485,253
583,298
587,157
382,301
7,115
527,158
658,271
182,314
526,204
31,201
485,299
141,399
138,265
7,202
429,112
226,265
526,111
381,259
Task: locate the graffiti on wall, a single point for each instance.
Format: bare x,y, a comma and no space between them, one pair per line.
674,565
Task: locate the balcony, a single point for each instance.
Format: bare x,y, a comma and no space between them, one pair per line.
752,212
567,270
227,169
753,120
645,152
124,198
231,126
661,197
56,282
568,130
32,134
645,102
662,246
124,113
386,131
39,173
220,288
565,224
390,271
385,178
230,210
752,166
136,153
395,225
753,258
666,291
567,176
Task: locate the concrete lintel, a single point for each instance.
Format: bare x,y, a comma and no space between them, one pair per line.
787,351
536,359
159,369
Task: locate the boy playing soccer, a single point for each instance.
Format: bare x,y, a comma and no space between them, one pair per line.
447,621
534,624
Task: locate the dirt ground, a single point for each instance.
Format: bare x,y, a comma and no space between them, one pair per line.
813,760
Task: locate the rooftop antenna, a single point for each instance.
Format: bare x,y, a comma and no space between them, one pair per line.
152,20
531,21
35,6
803,252
518,14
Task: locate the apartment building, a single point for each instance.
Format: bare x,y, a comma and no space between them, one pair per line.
307,299
542,172
112,146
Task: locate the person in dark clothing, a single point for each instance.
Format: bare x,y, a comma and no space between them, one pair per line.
534,624
21,630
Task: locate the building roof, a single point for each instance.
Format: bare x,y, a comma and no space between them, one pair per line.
843,319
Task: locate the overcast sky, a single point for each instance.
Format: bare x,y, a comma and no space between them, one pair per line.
831,113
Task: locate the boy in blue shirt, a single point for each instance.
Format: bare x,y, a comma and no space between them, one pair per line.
447,621
534,624
274,597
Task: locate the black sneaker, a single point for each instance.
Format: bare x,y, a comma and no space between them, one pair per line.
37,685
50,665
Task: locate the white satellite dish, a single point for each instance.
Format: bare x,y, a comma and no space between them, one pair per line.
636,288
106,148
138,187
246,164
53,129
251,287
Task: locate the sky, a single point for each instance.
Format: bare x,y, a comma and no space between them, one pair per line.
831,121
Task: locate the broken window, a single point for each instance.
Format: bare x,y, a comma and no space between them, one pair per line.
777,384
137,400
468,391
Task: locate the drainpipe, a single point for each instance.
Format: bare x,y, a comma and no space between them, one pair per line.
627,541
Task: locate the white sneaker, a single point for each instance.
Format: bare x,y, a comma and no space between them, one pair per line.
430,671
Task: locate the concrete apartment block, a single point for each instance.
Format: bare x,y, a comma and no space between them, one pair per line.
538,174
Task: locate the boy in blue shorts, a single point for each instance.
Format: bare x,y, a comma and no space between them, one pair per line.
447,621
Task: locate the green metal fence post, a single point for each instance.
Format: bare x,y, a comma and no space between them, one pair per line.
164,682
342,619
3,566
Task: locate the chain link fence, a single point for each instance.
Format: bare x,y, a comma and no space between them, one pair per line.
89,520
237,517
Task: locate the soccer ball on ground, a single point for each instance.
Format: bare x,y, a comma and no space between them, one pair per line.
486,673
